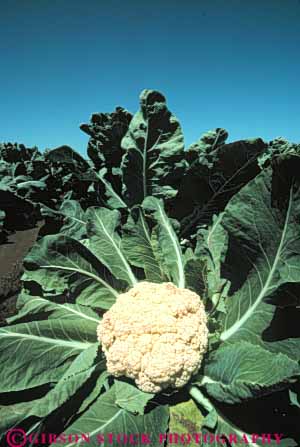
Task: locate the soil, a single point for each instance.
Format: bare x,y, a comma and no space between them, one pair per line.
12,253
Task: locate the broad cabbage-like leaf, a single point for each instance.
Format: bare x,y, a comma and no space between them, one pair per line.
263,230
65,155
238,371
105,417
173,259
140,247
131,398
213,179
278,148
106,243
60,264
53,343
106,131
212,245
153,163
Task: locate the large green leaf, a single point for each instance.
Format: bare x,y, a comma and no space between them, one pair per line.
67,155
279,147
211,247
216,173
105,417
113,199
60,263
12,415
206,146
167,240
139,246
195,276
105,242
101,382
74,219
71,381
35,305
42,351
153,163
106,131
70,216
264,249
130,398
241,371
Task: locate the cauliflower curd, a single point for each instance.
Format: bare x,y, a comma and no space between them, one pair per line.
155,334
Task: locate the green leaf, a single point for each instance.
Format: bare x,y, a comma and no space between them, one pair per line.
167,240
153,163
114,200
185,420
101,382
106,131
214,176
241,371
105,417
74,219
265,235
13,415
59,263
209,142
106,243
67,155
211,247
71,381
42,351
35,305
195,276
130,398
279,147
139,247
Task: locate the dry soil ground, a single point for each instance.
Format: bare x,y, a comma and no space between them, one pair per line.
12,253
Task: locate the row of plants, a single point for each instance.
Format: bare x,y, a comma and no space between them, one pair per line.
194,183
218,219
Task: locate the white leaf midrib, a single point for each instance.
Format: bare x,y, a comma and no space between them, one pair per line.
121,256
100,428
74,344
181,276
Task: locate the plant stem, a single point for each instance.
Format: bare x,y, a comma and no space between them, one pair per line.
199,397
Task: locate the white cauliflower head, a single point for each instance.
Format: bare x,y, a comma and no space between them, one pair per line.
155,334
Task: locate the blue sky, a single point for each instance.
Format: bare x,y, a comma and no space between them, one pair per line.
220,63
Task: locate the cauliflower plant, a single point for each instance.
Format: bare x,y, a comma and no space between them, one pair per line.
155,334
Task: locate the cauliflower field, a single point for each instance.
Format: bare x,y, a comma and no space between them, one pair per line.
162,295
